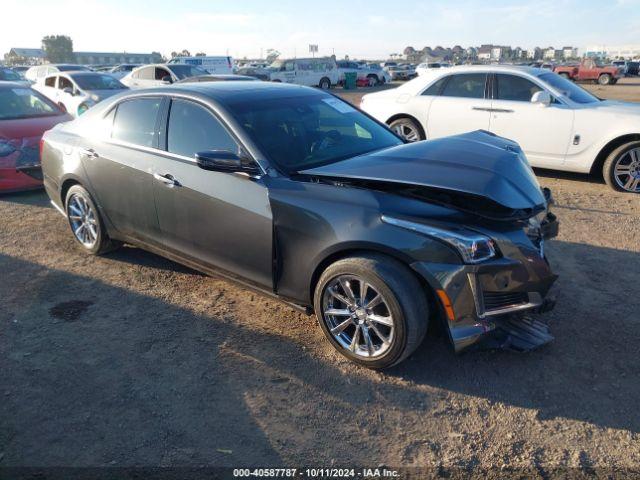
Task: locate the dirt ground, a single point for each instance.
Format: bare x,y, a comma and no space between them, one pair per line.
132,360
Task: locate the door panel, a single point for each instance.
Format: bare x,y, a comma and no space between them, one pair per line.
119,167
461,106
219,219
543,132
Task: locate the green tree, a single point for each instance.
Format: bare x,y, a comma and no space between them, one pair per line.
58,48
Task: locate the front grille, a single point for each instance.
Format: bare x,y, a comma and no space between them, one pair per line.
498,300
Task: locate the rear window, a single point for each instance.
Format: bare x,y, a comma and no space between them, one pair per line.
18,103
136,120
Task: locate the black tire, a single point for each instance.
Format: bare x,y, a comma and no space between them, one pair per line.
408,129
325,83
277,81
565,75
373,80
402,293
103,243
608,169
604,79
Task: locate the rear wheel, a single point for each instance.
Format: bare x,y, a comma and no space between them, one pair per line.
407,129
325,83
372,309
85,222
621,169
604,79
564,75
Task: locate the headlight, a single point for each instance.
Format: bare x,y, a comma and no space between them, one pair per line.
473,247
95,97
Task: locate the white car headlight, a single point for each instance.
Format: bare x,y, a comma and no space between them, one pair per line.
473,247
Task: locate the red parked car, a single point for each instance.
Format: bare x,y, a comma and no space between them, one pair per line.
24,116
589,70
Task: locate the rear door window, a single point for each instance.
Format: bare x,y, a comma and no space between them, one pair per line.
135,121
470,85
50,82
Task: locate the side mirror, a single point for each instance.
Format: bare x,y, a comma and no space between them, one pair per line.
541,98
167,80
224,161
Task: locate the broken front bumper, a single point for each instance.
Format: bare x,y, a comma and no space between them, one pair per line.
494,302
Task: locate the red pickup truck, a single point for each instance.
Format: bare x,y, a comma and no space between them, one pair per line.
589,70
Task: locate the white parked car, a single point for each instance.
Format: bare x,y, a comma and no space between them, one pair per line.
373,76
157,75
76,92
38,72
312,72
426,67
558,124
214,65
120,71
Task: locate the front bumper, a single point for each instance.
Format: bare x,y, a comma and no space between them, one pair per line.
495,300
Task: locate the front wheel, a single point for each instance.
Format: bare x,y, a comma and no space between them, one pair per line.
621,169
325,83
372,309
85,222
407,129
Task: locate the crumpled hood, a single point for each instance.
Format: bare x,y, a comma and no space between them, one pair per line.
479,164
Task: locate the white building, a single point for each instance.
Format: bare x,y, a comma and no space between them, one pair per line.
613,51
569,52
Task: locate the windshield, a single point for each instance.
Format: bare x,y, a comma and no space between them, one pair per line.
24,103
185,71
568,88
97,82
9,75
308,131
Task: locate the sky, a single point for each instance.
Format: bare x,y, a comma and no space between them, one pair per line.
358,28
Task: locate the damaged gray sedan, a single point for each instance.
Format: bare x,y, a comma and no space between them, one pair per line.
291,191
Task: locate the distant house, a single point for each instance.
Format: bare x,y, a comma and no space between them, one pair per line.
549,53
484,52
569,52
25,56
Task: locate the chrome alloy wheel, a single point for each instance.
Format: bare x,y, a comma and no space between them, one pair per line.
407,131
83,220
358,316
627,171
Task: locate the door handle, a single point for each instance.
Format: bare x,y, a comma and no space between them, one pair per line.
481,109
89,153
167,179
501,110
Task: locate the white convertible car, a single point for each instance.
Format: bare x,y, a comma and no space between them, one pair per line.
558,124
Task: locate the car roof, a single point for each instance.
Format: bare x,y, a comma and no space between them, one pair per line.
224,92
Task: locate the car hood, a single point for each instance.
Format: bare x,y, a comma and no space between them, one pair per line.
477,172
616,107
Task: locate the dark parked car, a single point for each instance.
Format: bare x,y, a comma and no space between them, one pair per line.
298,194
